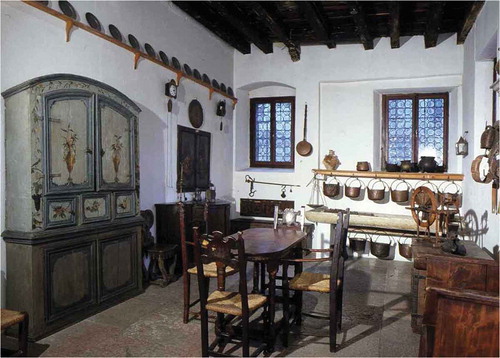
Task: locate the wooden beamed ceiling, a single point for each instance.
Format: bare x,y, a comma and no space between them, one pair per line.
331,23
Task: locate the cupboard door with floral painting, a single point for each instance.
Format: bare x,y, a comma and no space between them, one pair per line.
116,151
69,142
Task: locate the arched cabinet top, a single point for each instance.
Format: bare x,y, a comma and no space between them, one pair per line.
61,81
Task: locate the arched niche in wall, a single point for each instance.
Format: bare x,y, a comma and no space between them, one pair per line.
242,115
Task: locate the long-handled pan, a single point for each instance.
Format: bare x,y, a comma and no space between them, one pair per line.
304,148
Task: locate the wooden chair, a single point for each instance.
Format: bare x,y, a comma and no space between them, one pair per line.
189,268
220,251
317,282
10,318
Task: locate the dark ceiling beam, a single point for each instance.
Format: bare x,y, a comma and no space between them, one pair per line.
469,20
317,21
198,12
358,15
394,9
434,16
238,23
276,27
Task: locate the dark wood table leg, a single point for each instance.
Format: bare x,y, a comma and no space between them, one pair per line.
256,267
272,270
262,278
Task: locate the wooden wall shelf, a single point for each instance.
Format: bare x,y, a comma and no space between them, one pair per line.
390,175
70,24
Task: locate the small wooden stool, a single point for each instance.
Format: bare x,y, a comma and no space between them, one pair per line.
159,254
10,318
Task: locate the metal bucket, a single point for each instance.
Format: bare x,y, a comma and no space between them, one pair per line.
400,196
357,243
380,249
353,191
405,249
331,189
376,194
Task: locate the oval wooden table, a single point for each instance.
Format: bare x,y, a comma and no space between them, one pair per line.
268,246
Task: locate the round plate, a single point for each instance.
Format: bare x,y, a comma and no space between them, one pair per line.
117,35
215,84
133,42
196,74
206,79
67,9
223,87
176,63
150,50
230,91
93,21
187,69
164,58
195,111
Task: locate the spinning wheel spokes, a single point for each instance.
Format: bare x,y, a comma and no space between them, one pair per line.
423,206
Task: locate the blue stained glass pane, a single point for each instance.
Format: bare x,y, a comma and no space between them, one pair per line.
400,129
430,124
283,130
263,132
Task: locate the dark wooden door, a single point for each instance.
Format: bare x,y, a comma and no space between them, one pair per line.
117,265
70,275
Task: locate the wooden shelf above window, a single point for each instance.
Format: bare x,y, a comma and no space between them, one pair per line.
390,175
70,24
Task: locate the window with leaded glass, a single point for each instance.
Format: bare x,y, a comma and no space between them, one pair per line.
415,125
272,132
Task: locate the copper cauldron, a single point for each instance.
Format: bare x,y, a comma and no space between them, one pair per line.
380,249
400,195
363,166
331,189
405,249
351,190
376,194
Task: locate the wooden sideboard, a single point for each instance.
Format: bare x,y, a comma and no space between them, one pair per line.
477,276
168,224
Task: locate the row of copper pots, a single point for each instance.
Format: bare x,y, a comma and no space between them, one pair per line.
400,190
381,249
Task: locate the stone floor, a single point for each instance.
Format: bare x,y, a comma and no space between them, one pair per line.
376,321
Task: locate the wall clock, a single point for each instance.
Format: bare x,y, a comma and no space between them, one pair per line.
171,89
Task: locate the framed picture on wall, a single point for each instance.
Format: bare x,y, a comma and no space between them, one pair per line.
193,159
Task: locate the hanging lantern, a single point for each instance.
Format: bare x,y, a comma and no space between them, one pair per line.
462,146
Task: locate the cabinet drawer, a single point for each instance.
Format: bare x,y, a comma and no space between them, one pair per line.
124,204
70,277
117,265
95,207
60,211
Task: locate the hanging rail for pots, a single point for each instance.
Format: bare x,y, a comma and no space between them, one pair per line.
252,181
376,194
330,189
398,195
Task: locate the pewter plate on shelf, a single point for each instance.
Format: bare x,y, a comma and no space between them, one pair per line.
133,42
67,9
150,50
215,84
117,35
230,91
223,87
187,70
93,21
176,63
164,58
206,79
196,74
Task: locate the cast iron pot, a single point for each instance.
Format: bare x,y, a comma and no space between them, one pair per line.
380,249
400,196
376,194
427,164
353,191
392,167
357,244
405,249
406,165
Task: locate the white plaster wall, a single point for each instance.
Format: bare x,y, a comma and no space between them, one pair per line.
341,87
32,45
477,107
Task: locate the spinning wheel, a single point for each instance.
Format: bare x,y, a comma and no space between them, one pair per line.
423,206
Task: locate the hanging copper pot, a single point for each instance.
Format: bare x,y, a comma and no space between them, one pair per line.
488,137
363,166
405,249
357,243
400,195
331,189
351,190
450,194
380,249
376,194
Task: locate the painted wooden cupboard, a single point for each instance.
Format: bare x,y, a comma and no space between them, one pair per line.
73,230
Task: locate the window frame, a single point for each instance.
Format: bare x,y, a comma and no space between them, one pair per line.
415,97
272,163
